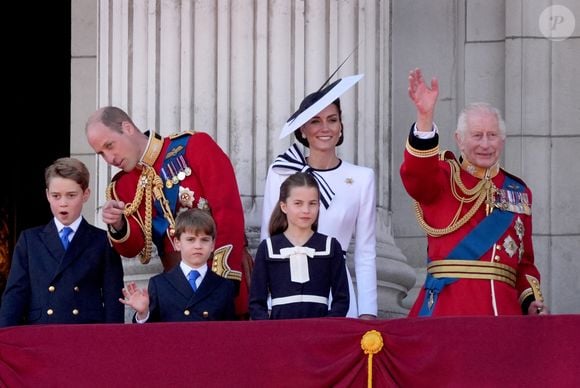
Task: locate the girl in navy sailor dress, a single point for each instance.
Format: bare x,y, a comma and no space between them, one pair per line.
298,267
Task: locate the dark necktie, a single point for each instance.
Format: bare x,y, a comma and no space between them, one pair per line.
193,275
64,233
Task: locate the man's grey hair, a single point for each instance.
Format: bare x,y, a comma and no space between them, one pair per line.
479,107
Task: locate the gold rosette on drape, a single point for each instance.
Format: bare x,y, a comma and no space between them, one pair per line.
371,343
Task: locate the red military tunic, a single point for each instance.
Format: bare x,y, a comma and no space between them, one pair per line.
210,183
426,175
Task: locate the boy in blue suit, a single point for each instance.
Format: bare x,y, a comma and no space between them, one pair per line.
65,271
190,291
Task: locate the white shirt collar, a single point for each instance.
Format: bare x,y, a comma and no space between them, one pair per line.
74,225
186,269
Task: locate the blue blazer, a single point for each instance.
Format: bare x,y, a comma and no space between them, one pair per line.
48,285
171,298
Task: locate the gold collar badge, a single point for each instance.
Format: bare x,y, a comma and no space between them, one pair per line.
153,150
480,172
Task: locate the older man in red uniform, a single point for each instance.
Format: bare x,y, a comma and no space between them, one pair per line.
160,177
477,216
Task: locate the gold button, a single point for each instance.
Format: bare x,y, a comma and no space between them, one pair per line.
51,289
496,258
498,247
205,314
75,312
186,313
50,311
76,288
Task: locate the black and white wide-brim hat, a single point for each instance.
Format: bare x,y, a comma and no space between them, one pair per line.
316,102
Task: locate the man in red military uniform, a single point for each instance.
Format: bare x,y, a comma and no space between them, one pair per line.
477,216
160,177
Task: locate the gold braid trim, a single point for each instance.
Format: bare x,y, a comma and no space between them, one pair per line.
421,153
220,263
527,292
109,194
480,193
150,185
535,284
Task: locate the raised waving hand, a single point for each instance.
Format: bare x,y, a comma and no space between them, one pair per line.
424,97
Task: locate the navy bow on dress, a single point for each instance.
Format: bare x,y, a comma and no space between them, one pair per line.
293,161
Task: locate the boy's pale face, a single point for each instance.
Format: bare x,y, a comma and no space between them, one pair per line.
195,248
66,199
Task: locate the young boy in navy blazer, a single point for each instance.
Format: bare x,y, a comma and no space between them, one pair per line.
65,271
190,291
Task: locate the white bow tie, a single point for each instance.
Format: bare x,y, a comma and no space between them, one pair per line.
298,262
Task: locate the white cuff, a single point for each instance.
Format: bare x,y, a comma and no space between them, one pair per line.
141,320
425,135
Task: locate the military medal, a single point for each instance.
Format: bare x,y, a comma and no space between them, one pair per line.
168,182
184,166
520,231
513,201
525,203
176,171
174,177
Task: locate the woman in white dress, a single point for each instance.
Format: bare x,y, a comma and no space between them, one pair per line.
347,190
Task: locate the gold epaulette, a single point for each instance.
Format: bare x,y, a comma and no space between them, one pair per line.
220,263
175,135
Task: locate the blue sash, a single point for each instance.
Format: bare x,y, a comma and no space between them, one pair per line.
472,247
160,223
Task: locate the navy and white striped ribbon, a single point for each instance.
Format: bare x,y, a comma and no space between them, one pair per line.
293,161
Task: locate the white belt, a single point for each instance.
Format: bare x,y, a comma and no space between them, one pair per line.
299,298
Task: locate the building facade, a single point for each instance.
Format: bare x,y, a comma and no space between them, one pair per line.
237,69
